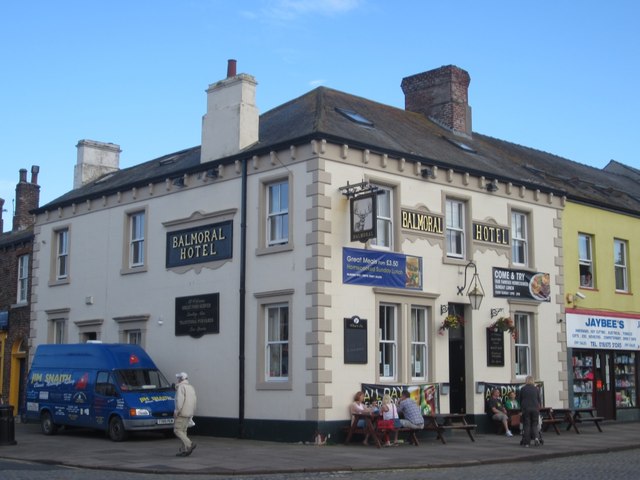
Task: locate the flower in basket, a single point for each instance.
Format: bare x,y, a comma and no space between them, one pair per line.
505,324
450,321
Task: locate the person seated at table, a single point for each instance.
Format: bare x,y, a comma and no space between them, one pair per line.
389,412
358,407
411,412
497,412
512,404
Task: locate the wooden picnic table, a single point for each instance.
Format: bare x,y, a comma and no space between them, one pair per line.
369,422
442,422
581,415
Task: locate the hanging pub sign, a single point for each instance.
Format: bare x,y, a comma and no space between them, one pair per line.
198,315
206,243
381,269
364,217
355,340
521,284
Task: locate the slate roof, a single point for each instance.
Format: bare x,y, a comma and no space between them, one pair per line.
321,114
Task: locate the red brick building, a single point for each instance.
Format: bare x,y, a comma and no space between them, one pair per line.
16,248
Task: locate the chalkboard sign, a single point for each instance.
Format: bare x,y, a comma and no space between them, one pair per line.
495,348
355,340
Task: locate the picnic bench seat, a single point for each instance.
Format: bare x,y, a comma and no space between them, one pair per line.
581,415
450,421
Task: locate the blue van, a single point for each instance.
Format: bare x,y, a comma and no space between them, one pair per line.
112,387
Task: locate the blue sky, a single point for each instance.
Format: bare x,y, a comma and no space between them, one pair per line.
556,75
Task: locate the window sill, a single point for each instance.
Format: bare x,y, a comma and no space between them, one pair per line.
274,385
287,247
129,270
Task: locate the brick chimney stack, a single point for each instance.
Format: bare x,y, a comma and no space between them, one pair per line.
442,96
27,198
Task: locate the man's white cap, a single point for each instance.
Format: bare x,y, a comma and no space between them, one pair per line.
181,376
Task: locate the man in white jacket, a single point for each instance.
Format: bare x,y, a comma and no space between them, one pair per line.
184,410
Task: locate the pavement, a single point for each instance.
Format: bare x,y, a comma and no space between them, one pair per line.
154,453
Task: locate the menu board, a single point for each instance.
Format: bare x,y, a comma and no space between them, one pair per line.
355,340
495,348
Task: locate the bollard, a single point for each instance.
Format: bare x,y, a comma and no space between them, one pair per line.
7,426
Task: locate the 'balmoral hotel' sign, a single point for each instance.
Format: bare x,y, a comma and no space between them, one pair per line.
206,243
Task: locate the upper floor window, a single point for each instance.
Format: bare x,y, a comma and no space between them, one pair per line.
620,265
62,254
387,350
136,239
278,213
277,342
418,343
384,227
523,344
23,278
585,260
455,236
519,239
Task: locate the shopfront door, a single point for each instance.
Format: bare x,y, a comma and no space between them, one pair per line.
603,384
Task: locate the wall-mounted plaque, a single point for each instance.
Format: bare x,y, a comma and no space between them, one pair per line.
198,315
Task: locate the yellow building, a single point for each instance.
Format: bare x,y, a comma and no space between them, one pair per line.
601,249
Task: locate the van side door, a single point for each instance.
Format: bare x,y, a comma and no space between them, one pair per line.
105,399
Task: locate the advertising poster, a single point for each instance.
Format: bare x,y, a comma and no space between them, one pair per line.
521,284
506,388
425,395
381,269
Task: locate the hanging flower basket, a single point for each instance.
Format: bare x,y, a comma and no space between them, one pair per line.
450,321
505,324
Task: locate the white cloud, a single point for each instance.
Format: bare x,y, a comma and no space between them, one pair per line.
290,9
316,83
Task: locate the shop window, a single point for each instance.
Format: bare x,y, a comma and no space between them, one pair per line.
624,364
585,260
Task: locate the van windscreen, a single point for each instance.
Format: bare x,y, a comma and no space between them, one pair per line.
142,379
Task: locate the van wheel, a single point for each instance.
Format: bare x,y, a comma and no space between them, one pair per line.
47,425
117,433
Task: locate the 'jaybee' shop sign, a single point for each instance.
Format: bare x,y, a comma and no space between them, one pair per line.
206,243
602,330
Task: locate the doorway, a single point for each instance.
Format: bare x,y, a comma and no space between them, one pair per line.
602,385
457,372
